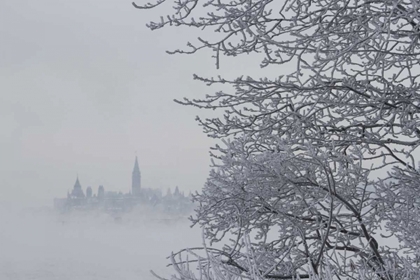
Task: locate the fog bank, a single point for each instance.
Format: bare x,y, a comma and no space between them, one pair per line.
40,244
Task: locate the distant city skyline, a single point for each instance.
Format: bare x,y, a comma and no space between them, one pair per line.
134,186
85,199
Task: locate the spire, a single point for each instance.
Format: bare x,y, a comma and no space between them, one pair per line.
136,166
136,179
77,189
77,184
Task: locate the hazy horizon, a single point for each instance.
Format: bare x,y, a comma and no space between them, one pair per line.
41,244
86,87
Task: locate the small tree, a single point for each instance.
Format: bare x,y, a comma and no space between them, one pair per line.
319,163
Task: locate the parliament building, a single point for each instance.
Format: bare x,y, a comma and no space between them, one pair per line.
115,202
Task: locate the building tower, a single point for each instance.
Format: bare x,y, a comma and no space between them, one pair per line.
89,192
77,191
136,179
101,192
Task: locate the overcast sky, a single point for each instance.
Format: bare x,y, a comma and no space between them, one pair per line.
83,86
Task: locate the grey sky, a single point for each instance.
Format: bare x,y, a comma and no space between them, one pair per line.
83,86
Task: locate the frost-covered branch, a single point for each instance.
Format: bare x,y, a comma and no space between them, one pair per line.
320,164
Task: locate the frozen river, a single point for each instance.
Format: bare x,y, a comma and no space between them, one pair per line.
40,245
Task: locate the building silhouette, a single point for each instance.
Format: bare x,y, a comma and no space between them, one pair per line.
111,201
77,191
136,179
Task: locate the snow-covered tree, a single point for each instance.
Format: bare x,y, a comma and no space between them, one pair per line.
319,166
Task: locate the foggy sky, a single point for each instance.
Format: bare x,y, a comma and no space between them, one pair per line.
83,86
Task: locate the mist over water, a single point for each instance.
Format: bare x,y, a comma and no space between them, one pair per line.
39,243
